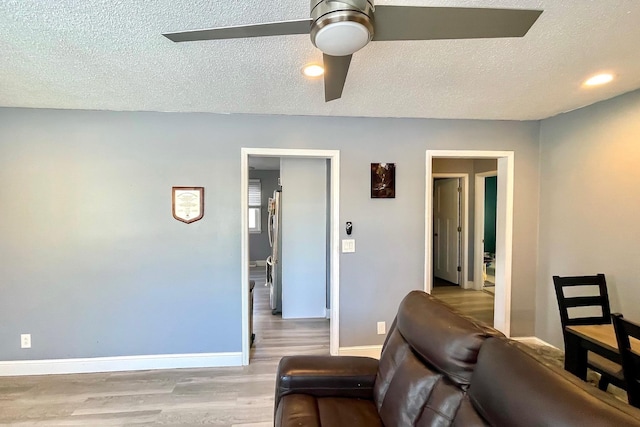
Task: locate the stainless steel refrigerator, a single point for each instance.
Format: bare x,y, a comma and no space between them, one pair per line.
274,261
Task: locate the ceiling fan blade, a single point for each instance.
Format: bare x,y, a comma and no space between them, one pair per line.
299,26
335,74
437,23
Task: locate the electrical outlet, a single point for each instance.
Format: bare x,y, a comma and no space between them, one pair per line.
25,341
382,328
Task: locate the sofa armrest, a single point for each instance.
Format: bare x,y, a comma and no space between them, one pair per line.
323,376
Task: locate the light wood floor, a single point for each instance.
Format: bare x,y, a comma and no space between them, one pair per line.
476,304
276,337
219,397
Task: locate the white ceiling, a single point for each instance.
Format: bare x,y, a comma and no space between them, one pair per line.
110,55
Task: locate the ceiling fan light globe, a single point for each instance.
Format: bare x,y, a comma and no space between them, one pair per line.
342,38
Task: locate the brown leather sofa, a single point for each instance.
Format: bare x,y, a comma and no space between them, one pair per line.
439,368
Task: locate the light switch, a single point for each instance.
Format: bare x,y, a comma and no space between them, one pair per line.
348,246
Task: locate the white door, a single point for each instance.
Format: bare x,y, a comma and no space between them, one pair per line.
446,229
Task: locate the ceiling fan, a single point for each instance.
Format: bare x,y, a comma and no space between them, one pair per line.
339,28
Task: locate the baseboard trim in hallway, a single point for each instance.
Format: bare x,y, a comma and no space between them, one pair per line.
363,350
375,350
532,341
119,363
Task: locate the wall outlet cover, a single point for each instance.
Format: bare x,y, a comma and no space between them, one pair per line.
25,341
382,328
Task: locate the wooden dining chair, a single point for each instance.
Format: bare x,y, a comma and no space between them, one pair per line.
610,372
625,330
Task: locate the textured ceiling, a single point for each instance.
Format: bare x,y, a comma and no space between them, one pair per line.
110,55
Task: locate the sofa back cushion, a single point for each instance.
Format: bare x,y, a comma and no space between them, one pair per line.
426,363
509,387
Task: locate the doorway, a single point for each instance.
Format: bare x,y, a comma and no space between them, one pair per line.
333,161
504,227
447,229
455,245
486,205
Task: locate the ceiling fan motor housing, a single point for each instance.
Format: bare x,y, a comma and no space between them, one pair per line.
341,29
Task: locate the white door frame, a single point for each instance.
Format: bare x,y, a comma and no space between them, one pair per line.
504,227
334,157
465,223
478,271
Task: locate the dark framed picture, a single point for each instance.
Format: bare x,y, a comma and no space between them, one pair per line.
383,180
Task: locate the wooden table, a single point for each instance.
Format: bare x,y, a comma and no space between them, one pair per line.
600,339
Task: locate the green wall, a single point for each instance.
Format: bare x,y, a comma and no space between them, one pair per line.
490,205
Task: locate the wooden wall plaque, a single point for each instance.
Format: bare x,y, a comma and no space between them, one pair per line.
187,203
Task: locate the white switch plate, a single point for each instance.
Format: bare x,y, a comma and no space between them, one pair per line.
382,328
348,246
25,341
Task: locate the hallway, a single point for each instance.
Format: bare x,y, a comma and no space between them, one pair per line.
276,337
476,304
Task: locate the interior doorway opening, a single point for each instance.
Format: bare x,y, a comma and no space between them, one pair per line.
504,232
486,206
330,160
450,229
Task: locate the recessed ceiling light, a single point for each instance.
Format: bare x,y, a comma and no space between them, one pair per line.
599,79
313,70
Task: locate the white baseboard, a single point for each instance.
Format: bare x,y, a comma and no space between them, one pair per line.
532,340
119,363
363,350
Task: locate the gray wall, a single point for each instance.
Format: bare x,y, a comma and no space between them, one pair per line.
93,264
471,167
259,248
589,204
304,238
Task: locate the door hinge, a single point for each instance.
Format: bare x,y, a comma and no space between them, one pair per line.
459,229
459,268
459,189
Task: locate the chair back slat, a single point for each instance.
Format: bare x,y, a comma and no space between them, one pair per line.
601,300
581,280
630,359
582,301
